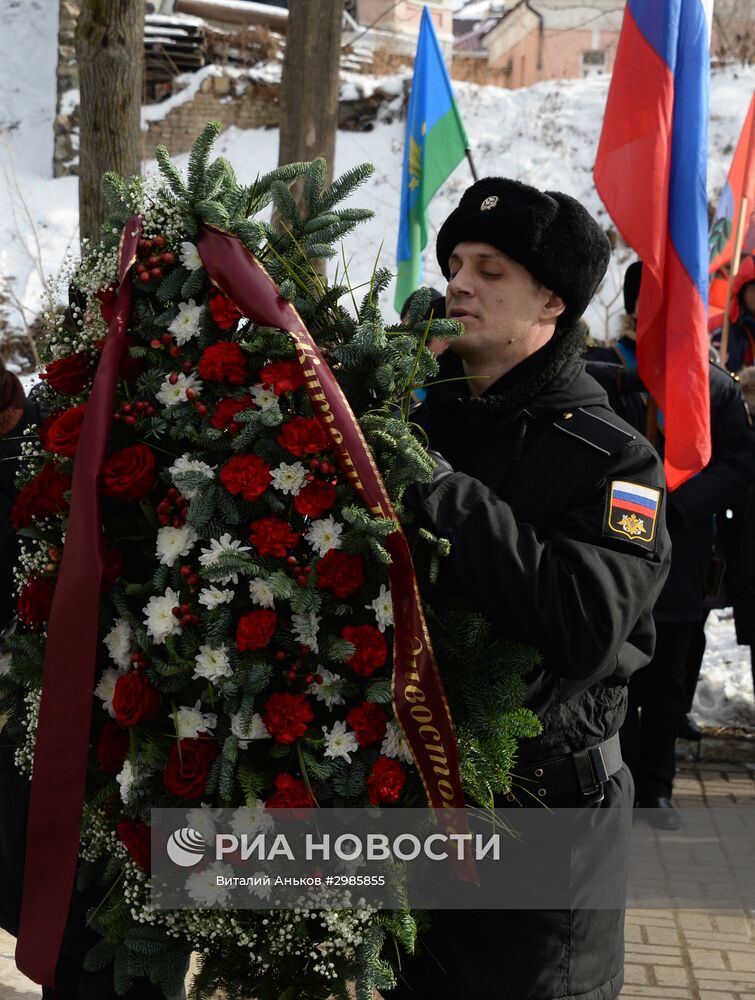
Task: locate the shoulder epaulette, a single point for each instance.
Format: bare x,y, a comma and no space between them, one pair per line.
596,431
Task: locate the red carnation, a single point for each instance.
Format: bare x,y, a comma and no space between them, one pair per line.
272,536
291,793
256,629
69,376
315,498
369,722
224,312
135,698
44,495
385,781
189,763
341,572
129,474
303,436
371,648
286,716
136,837
227,409
282,376
112,747
112,568
247,475
223,362
35,602
60,432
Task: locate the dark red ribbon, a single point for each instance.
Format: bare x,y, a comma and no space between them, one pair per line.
65,713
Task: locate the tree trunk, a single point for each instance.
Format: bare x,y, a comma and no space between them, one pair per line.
309,88
110,53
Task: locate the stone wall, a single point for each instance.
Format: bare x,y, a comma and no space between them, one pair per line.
66,125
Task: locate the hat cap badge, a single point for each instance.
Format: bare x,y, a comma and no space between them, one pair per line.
490,202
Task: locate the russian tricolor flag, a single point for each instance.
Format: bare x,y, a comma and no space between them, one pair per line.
651,172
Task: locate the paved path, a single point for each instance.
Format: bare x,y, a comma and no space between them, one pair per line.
670,954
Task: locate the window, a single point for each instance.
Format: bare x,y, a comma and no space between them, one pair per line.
593,62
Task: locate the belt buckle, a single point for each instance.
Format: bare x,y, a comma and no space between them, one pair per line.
596,794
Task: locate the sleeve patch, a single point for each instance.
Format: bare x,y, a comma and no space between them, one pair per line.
632,512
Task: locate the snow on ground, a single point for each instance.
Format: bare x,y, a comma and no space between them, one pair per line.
545,135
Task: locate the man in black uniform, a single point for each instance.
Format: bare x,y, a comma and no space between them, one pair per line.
555,511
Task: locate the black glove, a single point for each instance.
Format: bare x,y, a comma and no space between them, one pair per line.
417,493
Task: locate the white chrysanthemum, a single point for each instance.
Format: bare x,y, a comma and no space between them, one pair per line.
172,543
383,608
186,324
220,547
189,256
170,394
160,620
252,820
204,887
211,597
256,730
261,592
118,642
324,534
339,742
203,820
212,663
263,398
305,629
394,744
126,778
190,722
106,689
330,689
289,479
185,463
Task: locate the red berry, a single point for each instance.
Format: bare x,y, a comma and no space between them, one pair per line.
141,405
150,411
301,581
309,678
191,394
176,522
291,676
185,571
167,257
167,339
184,513
140,268
176,611
292,560
126,407
116,416
174,352
144,277
185,609
307,570
315,463
310,477
305,650
159,241
155,343
181,501
193,580
153,261
173,493
173,378
156,272
201,409
130,420
186,367
187,619
280,656
234,427
318,678
163,518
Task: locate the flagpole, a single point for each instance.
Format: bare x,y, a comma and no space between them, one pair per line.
735,260
471,164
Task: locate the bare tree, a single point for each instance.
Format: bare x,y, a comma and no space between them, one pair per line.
110,53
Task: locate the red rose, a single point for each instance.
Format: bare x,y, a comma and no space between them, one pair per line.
129,474
112,568
35,602
385,781
247,475
369,722
316,497
371,648
224,312
223,362
106,298
256,629
303,436
112,747
291,793
272,536
135,698
286,716
227,409
136,837
60,432
188,767
69,376
341,572
44,495
282,376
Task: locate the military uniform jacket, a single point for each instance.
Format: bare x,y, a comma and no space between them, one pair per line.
534,513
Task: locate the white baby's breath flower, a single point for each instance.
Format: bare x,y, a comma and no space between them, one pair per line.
264,398
324,534
289,479
204,887
383,608
118,642
126,778
252,820
305,629
186,324
190,256
211,597
261,592
190,722
106,689
172,393
394,744
340,742
256,730
330,689
160,620
212,663
172,543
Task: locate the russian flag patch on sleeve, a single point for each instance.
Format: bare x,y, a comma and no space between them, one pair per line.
632,512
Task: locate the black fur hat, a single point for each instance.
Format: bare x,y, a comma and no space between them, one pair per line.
549,233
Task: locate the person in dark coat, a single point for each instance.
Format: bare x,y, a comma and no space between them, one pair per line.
531,491
658,695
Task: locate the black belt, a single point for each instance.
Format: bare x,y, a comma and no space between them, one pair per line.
583,771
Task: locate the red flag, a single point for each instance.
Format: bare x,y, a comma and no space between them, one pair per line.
739,184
